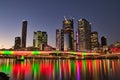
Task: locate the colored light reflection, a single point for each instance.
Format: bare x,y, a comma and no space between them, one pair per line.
46,69
78,67
35,70
60,69
56,67
6,68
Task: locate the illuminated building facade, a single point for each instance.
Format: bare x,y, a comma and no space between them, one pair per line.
84,35
44,38
40,39
62,40
58,39
77,42
67,35
24,34
17,43
75,46
94,41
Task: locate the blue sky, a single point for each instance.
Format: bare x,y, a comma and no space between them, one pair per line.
47,15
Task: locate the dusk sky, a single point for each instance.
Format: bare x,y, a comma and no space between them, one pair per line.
47,15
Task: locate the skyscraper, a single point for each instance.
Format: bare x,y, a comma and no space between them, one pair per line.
58,39
84,34
67,35
17,43
62,40
44,38
103,41
77,41
94,40
40,39
24,34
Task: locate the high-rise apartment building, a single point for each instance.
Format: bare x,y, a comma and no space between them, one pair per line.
24,34
17,43
94,40
40,39
84,35
58,39
67,35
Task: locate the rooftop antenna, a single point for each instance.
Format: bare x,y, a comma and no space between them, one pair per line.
65,19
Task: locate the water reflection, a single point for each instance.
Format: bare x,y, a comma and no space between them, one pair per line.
61,69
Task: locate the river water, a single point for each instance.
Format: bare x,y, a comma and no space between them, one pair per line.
48,69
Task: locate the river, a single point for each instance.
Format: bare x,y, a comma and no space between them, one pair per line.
61,69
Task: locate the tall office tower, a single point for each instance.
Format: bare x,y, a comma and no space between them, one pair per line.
68,35
24,34
77,42
62,40
84,32
44,38
40,39
17,43
94,40
58,39
35,39
75,46
103,41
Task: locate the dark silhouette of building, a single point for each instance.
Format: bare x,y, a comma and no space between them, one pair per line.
24,34
84,35
17,43
103,41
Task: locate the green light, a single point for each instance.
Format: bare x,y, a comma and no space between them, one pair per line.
56,67
6,68
72,52
35,69
22,57
57,52
7,52
84,64
72,67
35,52
84,53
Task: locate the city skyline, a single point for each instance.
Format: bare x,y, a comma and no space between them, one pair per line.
48,16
